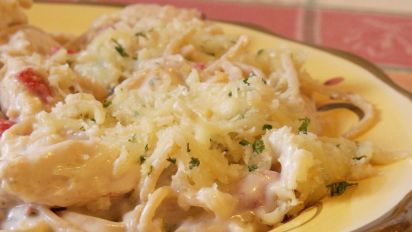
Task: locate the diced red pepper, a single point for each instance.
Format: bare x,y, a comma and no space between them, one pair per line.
199,65
35,84
333,81
53,50
4,125
71,51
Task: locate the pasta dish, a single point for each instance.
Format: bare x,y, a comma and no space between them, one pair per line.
155,119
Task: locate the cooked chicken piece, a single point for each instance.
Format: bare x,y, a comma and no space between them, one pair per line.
65,165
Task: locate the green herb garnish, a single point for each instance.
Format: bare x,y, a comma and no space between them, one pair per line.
146,147
132,139
106,103
142,159
187,147
171,160
246,80
252,167
230,94
194,162
119,49
359,157
267,127
258,146
142,34
339,188
303,128
244,142
210,53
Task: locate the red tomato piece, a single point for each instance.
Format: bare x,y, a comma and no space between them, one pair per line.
4,125
71,51
53,50
35,84
199,66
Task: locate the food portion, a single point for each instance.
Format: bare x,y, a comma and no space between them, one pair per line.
156,120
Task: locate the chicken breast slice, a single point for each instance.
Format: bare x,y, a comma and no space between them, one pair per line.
65,165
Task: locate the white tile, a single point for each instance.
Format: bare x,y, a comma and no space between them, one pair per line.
395,6
274,2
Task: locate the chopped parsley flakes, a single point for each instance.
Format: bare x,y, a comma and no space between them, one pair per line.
258,146
252,167
339,188
146,147
119,49
267,127
303,128
230,94
244,142
188,147
141,34
106,103
132,139
142,159
359,157
171,160
194,162
247,79
210,53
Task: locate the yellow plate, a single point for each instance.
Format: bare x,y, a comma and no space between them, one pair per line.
375,199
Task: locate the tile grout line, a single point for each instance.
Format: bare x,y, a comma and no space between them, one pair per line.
308,24
387,67
363,10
